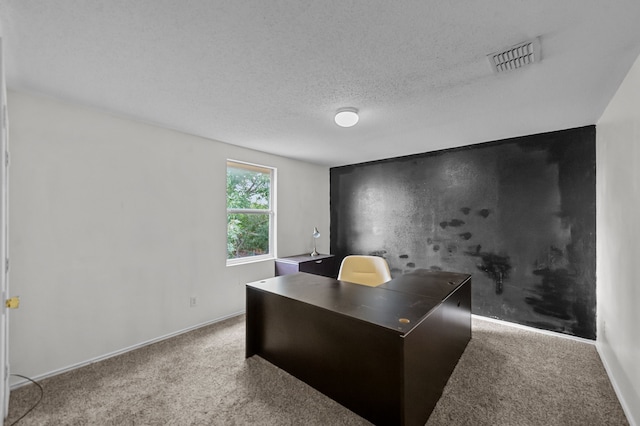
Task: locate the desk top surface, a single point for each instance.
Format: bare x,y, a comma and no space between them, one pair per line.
398,305
304,258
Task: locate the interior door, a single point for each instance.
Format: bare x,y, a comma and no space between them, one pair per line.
4,252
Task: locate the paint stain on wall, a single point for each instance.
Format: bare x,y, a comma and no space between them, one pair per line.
494,266
551,293
453,222
484,213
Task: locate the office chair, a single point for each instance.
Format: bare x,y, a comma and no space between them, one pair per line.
366,270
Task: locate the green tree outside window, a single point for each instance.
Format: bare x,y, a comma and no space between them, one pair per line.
249,210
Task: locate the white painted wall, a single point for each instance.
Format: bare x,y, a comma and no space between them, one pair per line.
618,241
115,224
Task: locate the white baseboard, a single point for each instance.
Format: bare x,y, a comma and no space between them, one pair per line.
122,351
535,330
622,397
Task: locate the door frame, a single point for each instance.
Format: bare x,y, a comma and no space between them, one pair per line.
4,243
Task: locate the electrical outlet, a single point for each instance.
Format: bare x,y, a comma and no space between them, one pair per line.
192,302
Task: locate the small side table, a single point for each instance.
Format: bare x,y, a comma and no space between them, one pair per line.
322,264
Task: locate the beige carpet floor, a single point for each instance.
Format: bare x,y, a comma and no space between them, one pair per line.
507,376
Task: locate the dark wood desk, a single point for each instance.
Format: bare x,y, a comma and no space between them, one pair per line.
384,352
322,264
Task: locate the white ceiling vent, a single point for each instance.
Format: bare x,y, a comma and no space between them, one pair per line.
516,56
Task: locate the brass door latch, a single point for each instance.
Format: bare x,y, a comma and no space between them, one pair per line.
13,303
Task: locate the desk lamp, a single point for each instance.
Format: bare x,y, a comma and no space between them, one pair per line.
316,235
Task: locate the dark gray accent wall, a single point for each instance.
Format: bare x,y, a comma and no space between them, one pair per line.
517,214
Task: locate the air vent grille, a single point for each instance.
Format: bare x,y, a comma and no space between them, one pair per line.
516,56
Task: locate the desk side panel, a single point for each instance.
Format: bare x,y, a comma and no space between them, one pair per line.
285,268
253,323
432,351
353,362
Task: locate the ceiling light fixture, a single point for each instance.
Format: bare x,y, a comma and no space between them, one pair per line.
347,117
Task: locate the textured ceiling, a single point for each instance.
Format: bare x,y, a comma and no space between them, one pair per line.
269,75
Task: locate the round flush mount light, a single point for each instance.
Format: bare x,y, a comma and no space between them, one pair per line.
347,117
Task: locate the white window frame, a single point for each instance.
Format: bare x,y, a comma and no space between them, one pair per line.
271,211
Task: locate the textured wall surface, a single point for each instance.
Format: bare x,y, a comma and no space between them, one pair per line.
518,214
618,247
116,225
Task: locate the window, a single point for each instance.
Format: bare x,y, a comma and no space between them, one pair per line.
250,212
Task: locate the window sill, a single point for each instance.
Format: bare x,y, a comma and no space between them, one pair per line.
248,260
